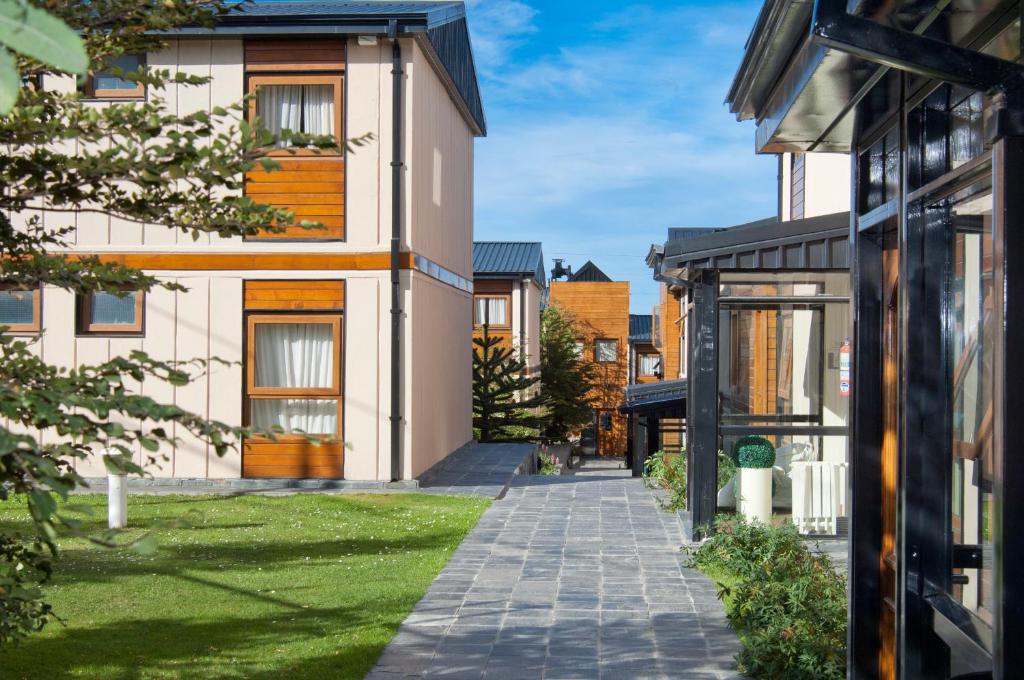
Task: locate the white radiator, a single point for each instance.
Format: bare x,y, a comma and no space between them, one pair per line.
819,496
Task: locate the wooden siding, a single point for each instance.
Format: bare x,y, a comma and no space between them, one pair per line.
294,295
292,459
314,188
295,54
601,311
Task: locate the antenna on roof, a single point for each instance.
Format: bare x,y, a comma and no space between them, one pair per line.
559,271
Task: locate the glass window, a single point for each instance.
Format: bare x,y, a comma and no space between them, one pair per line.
103,312
492,310
606,351
110,83
293,373
20,310
973,349
286,103
579,350
650,364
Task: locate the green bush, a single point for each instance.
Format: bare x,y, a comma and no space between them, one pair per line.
787,604
546,465
754,452
726,469
667,470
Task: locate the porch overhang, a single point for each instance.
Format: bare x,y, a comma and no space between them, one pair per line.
665,399
802,86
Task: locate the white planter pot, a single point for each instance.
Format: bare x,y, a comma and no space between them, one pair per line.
755,497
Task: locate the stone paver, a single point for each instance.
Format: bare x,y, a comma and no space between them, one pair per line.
478,470
567,577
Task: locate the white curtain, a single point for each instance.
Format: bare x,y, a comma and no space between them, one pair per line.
309,416
493,311
318,110
297,356
294,355
299,108
649,364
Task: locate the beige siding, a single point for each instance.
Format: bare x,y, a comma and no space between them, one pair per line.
439,196
439,347
533,300
826,184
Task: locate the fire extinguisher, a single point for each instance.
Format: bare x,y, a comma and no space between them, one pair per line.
844,369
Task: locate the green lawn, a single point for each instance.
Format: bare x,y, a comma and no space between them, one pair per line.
305,586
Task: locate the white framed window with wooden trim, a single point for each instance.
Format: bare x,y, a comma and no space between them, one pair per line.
649,364
493,311
110,82
111,313
21,309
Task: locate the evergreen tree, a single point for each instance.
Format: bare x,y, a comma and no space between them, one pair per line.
566,379
500,404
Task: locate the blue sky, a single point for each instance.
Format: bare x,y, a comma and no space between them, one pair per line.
606,127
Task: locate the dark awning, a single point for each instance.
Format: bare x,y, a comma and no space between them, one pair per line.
813,243
803,92
664,399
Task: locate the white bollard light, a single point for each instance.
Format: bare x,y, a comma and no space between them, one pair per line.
117,501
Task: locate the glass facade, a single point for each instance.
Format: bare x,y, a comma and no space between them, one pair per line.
780,341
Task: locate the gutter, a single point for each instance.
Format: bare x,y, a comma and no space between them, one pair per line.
396,239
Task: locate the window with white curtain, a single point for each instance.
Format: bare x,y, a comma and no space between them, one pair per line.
492,310
606,351
294,378
650,364
284,103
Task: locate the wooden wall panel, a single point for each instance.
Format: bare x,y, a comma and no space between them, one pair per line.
601,311
488,286
292,459
294,295
295,54
314,188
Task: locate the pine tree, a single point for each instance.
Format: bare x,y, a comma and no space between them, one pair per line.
500,404
566,379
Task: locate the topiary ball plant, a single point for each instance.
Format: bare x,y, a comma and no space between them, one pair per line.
754,452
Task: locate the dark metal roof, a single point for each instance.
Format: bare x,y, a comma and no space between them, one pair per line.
440,28
502,259
666,395
679,233
590,273
813,243
641,328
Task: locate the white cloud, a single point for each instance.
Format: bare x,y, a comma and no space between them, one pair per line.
498,27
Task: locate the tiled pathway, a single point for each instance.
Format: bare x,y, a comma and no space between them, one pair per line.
567,577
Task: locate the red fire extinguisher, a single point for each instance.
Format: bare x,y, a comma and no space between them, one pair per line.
844,369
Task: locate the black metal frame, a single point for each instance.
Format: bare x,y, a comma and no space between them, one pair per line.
702,403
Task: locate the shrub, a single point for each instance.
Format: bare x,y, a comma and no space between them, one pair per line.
726,469
667,470
546,465
787,604
754,452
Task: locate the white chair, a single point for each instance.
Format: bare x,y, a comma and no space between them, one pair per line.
819,496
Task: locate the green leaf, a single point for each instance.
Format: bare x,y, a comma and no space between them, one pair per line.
10,82
37,34
147,545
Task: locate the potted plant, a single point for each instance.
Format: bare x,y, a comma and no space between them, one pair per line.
755,457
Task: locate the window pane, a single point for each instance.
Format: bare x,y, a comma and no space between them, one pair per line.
296,355
307,109
770,363
17,307
973,351
493,311
578,350
106,81
308,416
649,364
606,350
109,309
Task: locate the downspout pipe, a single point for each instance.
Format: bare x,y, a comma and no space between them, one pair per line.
396,241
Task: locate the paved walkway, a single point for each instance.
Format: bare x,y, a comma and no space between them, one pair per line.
479,470
567,577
